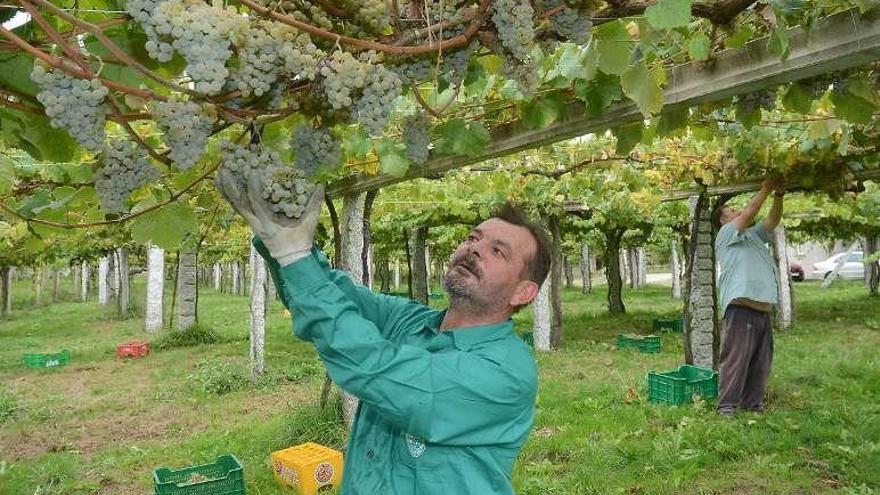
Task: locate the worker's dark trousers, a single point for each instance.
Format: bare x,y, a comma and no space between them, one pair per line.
746,357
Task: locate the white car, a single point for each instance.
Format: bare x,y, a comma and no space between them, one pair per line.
852,268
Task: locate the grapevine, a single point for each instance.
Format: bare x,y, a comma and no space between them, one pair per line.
75,105
125,169
239,161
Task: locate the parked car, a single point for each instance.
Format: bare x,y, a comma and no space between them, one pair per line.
796,271
852,268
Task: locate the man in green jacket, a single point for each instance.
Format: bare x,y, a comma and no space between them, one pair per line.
446,397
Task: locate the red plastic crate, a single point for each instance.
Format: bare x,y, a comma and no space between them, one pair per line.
133,349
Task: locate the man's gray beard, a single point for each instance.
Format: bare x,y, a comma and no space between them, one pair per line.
460,295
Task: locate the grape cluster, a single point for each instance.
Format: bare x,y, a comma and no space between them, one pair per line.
186,126
414,71
142,12
75,105
301,10
371,13
514,23
125,168
259,49
239,161
301,58
417,137
343,75
571,24
373,107
455,64
201,33
750,102
287,190
315,148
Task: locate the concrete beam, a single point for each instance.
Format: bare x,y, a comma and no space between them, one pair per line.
837,42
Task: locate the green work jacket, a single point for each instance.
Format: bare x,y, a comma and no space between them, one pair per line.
440,411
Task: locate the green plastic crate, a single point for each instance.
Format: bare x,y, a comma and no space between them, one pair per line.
224,477
679,386
648,344
671,324
50,360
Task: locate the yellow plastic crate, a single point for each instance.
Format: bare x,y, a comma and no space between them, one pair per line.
308,467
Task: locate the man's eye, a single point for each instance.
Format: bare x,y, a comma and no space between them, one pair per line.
499,252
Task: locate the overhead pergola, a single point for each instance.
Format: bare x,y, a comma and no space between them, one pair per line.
834,43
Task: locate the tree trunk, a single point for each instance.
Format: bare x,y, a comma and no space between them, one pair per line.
417,269
586,269
385,275
701,335
84,285
872,269
612,271
569,272
187,289
396,275
124,294
783,279
103,267
676,269
367,249
556,281
218,275
542,322
5,290
337,232
153,312
258,314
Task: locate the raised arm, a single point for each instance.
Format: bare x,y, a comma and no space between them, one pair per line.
744,220
775,215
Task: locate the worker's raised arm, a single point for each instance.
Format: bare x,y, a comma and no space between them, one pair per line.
745,219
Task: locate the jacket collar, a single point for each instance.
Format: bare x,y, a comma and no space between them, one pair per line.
466,338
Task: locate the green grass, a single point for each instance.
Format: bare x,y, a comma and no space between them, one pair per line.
100,425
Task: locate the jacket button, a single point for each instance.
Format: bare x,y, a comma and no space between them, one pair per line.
370,454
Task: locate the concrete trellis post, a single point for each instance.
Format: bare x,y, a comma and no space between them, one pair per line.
783,278
701,336
103,268
542,318
258,314
155,288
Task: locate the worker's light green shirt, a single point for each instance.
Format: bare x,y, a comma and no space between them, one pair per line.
746,267
440,412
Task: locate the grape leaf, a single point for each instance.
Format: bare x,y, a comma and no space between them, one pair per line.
614,45
166,227
540,112
852,108
643,89
797,99
392,158
459,137
668,14
628,136
699,46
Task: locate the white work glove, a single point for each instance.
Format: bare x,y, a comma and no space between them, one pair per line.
287,239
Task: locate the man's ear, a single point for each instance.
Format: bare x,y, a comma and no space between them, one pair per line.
525,292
